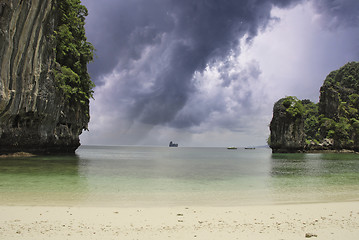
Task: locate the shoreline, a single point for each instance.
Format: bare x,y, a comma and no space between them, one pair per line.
336,220
17,154
314,151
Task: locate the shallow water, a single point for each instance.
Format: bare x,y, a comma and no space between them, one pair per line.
161,176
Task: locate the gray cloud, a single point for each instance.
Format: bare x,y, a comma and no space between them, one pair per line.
170,62
334,13
120,30
183,37
230,98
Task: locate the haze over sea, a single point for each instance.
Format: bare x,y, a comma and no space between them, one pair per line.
161,176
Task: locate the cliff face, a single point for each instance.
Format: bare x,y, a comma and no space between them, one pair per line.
339,102
287,127
34,116
332,124
338,88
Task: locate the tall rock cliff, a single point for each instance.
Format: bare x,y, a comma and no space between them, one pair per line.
34,114
287,126
332,124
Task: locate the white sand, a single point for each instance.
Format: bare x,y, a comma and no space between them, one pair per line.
320,221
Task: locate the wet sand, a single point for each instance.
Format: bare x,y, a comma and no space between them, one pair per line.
292,221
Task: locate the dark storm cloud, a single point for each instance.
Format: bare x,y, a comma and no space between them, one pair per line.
156,46
120,30
338,13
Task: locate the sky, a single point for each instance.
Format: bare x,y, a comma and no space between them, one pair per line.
206,73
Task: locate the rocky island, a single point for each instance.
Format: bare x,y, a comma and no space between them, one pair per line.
330,125
44,84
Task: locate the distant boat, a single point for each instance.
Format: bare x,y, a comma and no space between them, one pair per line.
172,144
232,148
249,148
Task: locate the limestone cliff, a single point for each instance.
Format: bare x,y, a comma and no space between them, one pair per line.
332,124
34,115
286,127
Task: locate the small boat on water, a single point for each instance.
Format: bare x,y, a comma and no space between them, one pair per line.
249,148
231,148
172,144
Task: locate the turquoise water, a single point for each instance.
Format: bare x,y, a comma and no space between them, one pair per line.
161,176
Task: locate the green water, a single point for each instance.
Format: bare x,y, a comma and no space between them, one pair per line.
147,176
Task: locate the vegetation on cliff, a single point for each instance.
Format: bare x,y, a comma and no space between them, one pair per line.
73,52
333,123
287,125
44,84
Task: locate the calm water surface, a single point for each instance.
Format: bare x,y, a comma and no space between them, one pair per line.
161,176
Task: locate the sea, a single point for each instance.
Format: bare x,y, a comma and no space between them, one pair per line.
141,176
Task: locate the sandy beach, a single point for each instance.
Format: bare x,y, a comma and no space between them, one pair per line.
300,221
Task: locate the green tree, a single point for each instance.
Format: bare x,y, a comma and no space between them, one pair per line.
293,106
73,52
311,120
326,125
342,137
